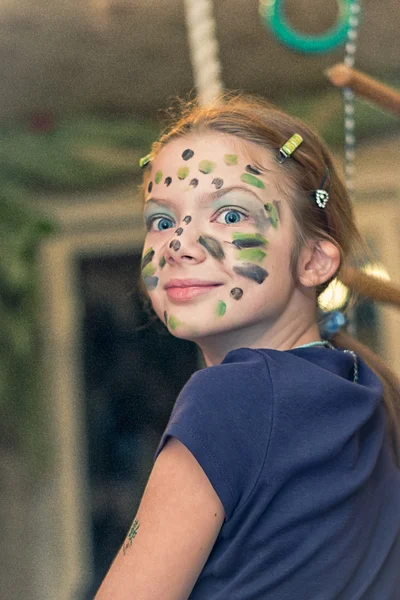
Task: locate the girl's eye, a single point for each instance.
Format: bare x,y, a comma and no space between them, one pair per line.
160,223
230,216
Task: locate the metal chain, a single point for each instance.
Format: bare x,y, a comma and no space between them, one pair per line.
349,96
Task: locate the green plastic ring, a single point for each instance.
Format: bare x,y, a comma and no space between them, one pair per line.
272,14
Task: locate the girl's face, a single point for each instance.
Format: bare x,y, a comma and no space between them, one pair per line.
219,239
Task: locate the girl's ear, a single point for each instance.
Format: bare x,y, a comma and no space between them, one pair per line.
318,262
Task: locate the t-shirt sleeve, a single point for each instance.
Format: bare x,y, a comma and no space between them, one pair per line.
223,416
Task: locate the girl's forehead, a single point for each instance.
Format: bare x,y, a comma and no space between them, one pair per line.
222,148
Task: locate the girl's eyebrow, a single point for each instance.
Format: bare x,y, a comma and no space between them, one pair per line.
205,199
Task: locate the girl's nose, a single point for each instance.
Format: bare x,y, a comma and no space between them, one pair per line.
184,247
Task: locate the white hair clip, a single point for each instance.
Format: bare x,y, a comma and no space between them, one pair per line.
321,198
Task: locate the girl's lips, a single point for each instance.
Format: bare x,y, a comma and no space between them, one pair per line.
182,290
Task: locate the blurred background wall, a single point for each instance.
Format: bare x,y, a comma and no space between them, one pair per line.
87,380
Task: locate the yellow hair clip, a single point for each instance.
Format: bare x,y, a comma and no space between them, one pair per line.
290,146
145,160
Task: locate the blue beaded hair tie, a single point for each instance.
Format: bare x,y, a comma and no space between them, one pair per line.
331,322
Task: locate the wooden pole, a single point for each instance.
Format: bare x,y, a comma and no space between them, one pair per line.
365,87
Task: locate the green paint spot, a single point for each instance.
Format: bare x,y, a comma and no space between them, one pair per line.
252,254
272,213
162,262
158,176
249,237
252,180
149,270
173,322
230,159
207,166
183,172
221,308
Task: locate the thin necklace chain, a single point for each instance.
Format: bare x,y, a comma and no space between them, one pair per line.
332,347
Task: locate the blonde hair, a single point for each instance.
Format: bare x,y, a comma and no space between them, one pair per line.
310,167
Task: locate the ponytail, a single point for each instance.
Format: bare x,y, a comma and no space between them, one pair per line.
388,293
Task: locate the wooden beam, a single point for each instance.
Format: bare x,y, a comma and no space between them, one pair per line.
365,87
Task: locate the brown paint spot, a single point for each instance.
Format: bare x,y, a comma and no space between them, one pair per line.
236,293
175,245
218,182
179,231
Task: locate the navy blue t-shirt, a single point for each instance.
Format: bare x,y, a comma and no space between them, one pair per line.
299,457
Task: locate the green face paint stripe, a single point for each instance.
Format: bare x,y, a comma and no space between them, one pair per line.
252,180
212,246
173,322
147,257
230,159
251,254
254,272
207,166
158,176
221,308
165,317
150,282
162,262
273,214
149,270
182,172
248,240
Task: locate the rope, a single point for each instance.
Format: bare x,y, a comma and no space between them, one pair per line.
203,44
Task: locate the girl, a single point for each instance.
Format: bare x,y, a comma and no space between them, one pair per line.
277,477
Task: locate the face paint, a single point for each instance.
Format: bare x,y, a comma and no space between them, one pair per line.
173,322
168,181
162,262
150,283
236,293
165,317
147,258
212,246
272,213
221,308
158,176
187,219
183,172
218,182
252,180
175,245
194,182
252,254
207,166
187,154
248,240
150,187
179,231
252,170
148,270
254,272
230,159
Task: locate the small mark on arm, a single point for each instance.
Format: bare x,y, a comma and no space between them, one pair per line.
131,536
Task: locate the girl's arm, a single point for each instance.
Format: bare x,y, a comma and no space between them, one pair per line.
172,535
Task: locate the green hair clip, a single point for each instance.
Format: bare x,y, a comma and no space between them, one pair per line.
145,160
289,147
